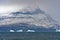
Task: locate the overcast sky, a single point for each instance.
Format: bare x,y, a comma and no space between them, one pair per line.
51,7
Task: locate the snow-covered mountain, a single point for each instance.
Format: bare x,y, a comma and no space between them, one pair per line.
30,20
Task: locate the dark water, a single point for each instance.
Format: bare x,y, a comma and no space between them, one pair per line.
30,36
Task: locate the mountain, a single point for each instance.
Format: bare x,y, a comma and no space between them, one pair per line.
28,20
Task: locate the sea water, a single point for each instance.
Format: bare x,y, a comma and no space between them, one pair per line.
30,36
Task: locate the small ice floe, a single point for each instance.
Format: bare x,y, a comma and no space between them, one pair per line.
58,30
30,31
12,31
19,30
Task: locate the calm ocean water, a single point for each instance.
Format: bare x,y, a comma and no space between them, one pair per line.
30,36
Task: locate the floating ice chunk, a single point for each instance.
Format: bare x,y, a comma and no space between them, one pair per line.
58,30
12,31
30,31
19,30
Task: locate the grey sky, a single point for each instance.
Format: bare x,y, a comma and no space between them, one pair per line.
51,7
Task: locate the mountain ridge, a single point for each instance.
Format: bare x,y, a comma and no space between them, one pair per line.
31,19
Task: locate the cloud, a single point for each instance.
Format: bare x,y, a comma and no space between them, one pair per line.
40,19
28,12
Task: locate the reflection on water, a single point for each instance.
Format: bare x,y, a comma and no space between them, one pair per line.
30,36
